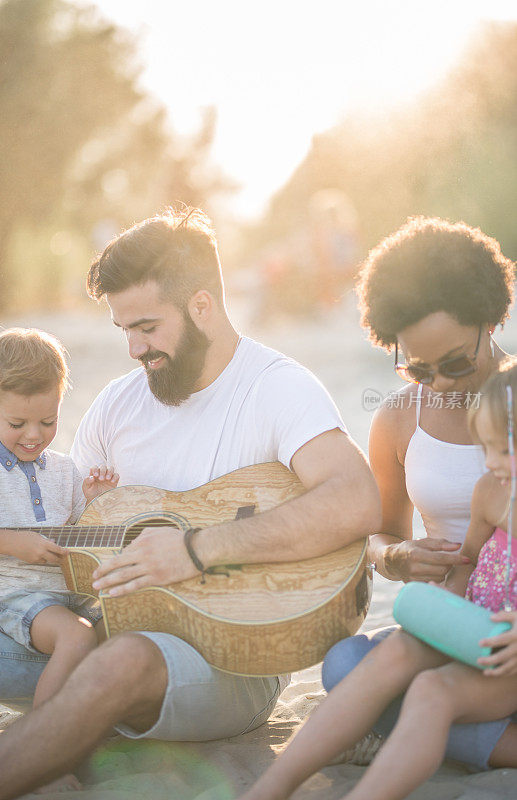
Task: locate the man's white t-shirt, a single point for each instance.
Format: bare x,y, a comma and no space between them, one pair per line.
262,407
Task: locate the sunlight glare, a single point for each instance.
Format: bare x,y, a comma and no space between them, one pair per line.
278,72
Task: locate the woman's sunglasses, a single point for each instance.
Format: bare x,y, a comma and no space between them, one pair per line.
456,367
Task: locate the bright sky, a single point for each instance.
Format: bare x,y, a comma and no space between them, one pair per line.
281,70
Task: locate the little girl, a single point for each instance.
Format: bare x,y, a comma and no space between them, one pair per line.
440,691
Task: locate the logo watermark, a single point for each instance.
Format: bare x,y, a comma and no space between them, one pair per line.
371,399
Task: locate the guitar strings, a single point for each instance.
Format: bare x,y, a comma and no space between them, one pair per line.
96,535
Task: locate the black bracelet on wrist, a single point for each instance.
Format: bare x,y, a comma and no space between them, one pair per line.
187,539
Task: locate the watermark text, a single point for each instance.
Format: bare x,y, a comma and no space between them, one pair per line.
371,399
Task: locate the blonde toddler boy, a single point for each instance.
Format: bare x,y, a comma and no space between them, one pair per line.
40,487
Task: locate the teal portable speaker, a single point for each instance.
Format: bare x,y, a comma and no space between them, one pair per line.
445,621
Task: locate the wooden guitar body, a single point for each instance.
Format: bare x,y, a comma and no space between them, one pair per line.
252,619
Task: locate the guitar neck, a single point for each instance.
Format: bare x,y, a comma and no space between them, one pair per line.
81,536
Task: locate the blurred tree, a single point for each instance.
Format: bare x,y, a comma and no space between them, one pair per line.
63,76
452,154
142,167
82,146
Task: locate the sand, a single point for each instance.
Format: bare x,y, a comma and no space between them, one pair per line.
334,347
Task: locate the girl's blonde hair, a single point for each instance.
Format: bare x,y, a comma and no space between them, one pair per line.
495,399
31,362
493,396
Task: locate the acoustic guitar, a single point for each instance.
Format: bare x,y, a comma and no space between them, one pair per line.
249,619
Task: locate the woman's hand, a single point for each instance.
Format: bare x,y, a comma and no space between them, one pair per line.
458,577
422,559
504,661
31,547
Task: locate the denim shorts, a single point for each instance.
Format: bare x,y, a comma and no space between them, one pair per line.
18,609
471,743
200,702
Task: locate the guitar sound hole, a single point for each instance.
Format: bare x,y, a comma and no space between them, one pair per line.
157,522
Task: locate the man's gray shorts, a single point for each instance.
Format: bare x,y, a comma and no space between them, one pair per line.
200,702
204,703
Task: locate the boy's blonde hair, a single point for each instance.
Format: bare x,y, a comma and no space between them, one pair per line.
31,362
493,396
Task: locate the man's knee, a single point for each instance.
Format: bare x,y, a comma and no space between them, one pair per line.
128,665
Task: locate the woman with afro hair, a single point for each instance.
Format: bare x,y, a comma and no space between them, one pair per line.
432,293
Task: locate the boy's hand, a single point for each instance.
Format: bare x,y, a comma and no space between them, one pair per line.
504,661
99,481
34,548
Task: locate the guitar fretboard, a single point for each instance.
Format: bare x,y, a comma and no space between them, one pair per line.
82,536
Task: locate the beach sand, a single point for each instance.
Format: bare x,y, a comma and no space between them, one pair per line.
333,346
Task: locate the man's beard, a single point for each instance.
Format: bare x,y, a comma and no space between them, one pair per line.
174,381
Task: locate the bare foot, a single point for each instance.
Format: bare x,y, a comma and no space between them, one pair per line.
68,783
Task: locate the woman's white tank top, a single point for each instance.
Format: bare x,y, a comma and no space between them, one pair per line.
440,479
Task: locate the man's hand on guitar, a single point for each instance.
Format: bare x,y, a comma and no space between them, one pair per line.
157,557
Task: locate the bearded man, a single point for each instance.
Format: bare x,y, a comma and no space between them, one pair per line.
203,402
